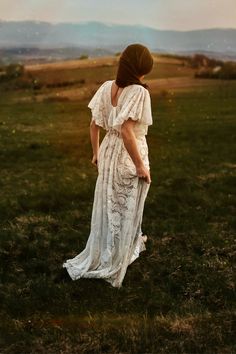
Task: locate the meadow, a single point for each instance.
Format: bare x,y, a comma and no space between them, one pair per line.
179,295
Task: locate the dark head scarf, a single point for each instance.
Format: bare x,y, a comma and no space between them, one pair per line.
135,61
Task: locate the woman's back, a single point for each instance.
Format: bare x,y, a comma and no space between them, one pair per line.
133,102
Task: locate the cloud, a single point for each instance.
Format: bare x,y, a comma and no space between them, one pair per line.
168,14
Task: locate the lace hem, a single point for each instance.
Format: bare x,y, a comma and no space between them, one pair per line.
140,247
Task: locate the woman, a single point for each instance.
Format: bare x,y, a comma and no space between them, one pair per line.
123,108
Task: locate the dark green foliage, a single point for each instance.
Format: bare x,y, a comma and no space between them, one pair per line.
226,71
11,71
83,56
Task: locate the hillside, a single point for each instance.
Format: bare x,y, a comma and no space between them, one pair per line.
73,39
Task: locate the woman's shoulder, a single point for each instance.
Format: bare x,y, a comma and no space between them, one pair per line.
107,83
139,90
103,85
139,87
131,86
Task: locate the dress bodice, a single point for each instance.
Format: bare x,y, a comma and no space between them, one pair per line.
134,102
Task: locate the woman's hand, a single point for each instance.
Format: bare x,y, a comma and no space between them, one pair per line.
144,173
95,160
129,139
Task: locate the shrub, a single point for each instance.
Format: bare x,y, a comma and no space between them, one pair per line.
227,71
83,56
14,70
65,83
200,60
36,84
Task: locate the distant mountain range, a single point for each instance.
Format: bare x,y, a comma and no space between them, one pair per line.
96,38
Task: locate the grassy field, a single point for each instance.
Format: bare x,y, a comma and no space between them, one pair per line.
78,79
178,296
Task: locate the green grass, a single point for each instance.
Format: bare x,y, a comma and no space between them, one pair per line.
178,296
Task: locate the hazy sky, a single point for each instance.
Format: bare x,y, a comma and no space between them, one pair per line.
161,14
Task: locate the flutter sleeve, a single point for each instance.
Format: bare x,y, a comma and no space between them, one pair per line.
137,106
98,107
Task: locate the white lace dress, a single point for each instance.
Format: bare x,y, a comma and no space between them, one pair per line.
116,238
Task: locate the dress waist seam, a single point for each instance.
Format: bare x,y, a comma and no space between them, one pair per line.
116,132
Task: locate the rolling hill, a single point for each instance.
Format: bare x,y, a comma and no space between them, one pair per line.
96,38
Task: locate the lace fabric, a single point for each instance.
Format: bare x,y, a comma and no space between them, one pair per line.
116,237
135,103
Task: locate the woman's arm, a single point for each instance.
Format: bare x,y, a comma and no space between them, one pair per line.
131,146
94,136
